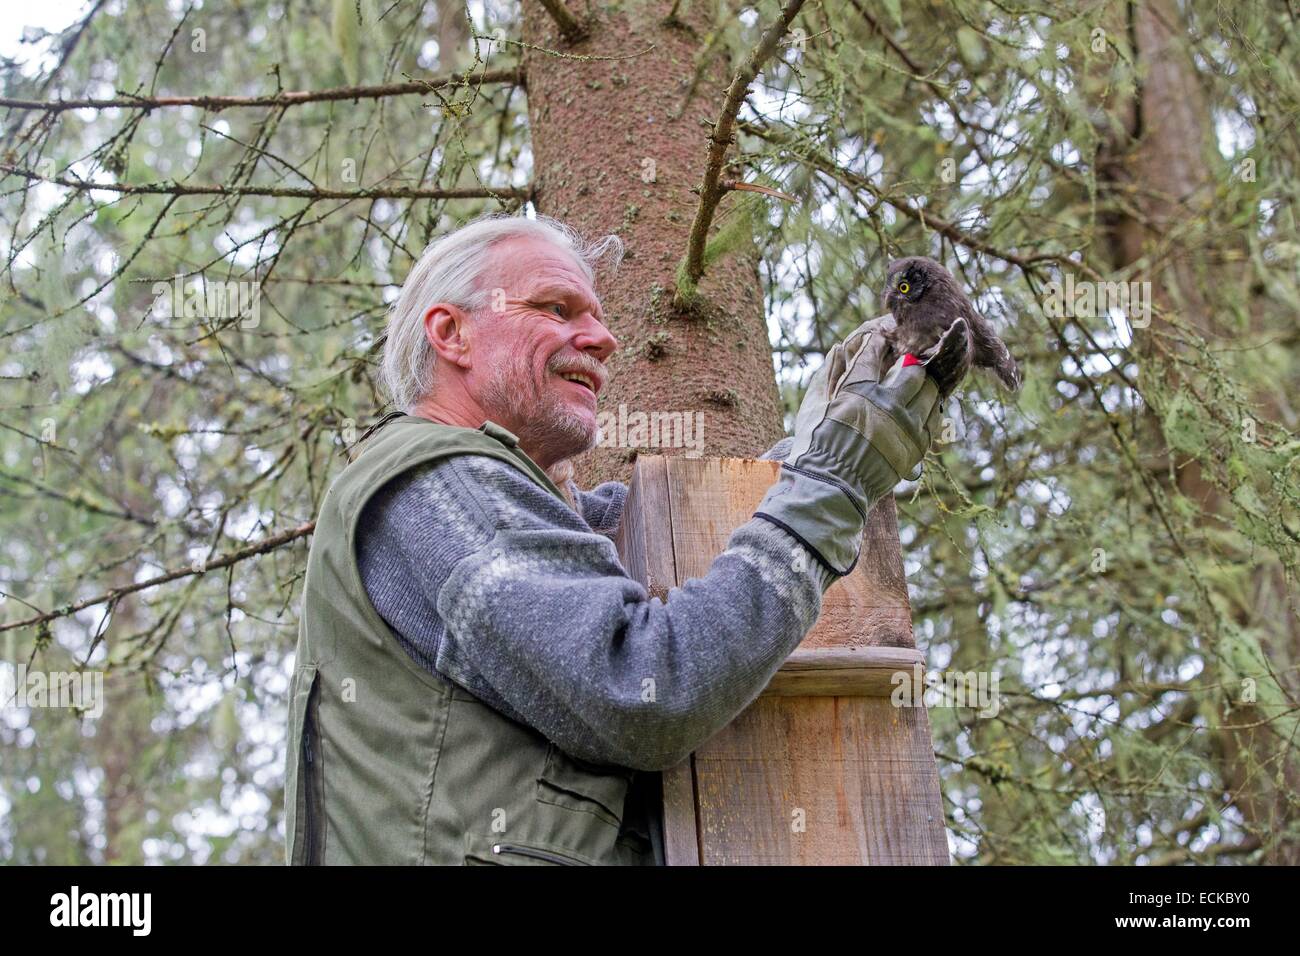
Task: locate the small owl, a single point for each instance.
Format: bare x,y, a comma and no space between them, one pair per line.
925,301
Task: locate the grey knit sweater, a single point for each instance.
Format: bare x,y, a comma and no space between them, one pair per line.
493,583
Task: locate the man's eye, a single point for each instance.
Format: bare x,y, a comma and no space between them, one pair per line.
556,308
904,288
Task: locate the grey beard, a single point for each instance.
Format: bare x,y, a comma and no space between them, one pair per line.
542,425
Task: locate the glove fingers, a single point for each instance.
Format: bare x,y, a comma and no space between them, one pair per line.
892,415
863,349
834,367
865,364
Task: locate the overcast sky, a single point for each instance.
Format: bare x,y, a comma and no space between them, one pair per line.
49,14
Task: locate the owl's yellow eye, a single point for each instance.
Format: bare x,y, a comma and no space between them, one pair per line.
904,288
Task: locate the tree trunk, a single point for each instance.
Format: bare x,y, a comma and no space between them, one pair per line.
636,180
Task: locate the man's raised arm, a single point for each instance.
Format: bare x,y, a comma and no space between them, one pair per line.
498,586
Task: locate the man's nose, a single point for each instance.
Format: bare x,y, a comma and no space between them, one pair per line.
596,340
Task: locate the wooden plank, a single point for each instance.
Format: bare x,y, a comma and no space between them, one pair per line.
852,781
646,546
681,842
869,606
821,768
846,672
644,542
711,497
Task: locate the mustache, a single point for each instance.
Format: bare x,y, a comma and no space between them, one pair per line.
578,362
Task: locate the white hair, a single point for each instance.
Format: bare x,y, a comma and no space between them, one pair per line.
452,270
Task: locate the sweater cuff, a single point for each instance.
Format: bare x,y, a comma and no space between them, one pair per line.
803,556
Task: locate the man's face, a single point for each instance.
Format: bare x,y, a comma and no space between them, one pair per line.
542,328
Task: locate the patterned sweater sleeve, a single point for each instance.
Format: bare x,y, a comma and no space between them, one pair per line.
496,585
602,506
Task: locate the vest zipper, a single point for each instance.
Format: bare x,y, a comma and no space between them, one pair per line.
311,802
499,848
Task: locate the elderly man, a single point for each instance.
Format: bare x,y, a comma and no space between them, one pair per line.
478,680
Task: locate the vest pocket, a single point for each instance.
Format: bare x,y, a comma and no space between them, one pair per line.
304,787
578,785
521,854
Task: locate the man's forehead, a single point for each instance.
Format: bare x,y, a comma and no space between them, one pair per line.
527,266
521,257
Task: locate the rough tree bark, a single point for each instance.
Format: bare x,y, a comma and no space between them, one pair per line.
617,150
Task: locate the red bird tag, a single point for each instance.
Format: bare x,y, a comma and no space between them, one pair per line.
910,359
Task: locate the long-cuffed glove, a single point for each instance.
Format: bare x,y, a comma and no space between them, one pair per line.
858,433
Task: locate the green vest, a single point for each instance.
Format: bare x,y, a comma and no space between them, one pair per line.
390,764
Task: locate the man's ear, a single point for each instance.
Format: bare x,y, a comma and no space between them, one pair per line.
446,327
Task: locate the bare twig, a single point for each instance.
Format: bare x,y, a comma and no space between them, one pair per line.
726,185
116,594
279,192
720,140
283,99
79,500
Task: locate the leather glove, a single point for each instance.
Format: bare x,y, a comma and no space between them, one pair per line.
857,434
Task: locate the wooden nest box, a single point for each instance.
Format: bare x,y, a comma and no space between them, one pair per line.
821,768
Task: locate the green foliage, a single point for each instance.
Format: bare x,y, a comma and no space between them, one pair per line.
1131,520
736,230
1119,541
175,438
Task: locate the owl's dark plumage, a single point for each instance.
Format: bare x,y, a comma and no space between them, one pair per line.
925,300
